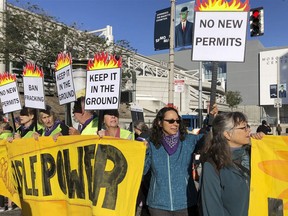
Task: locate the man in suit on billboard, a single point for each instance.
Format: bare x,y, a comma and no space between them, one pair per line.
183,31
282,91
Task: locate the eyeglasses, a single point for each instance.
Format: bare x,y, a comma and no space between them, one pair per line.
171,121
137,128
245,128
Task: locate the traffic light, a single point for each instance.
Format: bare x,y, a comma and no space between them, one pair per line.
256,22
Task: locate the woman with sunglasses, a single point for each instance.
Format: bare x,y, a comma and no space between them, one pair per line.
169,153
225,180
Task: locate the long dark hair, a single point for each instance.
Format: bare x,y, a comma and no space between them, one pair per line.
216,146
156,130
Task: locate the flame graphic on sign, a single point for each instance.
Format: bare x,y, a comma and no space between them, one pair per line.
63,60
221,5
104,60
6,78
268,167
32,71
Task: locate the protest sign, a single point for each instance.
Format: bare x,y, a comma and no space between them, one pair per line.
34,96
220,31
103,82
9,94
64,79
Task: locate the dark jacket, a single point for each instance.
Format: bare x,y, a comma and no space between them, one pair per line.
264,128
183,38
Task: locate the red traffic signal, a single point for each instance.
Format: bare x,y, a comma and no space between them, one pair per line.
256,22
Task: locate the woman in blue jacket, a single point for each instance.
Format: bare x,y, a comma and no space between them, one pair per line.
172,190
225,180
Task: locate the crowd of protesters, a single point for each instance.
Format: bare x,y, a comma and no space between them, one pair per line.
167,187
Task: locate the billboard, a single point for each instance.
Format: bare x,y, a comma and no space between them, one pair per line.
184,24
162,29
273,76
184,18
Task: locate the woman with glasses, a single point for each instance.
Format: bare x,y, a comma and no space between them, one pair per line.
169,153
225,180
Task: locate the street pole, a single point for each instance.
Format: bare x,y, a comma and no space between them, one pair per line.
200,96
3,8
213,90
171,55
278,99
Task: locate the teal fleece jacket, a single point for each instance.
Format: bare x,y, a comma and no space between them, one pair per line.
226,193
171,186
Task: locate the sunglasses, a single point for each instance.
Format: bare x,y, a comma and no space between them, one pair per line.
171,121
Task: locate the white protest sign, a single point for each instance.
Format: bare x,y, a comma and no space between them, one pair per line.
9,97
65,85
136,108
34,96
179,85
103,89
219,36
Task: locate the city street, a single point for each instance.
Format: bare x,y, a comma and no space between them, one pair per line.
11,213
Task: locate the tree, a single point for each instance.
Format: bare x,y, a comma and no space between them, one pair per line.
30,34
233,99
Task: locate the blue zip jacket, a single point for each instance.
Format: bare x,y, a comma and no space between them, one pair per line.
171,186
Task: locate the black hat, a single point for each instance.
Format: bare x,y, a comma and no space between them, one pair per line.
113,112
184,9
78,105
47,110
26,111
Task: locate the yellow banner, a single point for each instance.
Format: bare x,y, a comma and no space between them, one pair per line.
269,176
77,175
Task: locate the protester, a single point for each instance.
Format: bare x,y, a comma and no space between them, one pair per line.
141,130
17,122
169,154
2,203
5,130
279,129
111,124
28,123
87,119
52,125
264,127
225,178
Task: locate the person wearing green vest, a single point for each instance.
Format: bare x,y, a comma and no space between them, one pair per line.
5,130
111,123
87,119
53,126
28,123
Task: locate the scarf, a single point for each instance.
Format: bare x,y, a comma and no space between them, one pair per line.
83,126
48,131
171,143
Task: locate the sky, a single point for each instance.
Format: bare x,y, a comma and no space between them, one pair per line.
133,20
